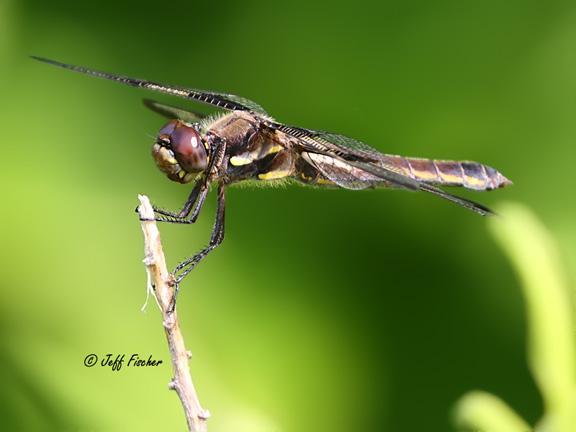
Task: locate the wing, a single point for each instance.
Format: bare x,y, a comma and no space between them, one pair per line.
173,112
346,147
356,154
466,203
341,172
220,100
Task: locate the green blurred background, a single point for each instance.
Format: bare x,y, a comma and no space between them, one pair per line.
323,310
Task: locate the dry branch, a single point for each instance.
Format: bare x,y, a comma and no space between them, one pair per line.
162,287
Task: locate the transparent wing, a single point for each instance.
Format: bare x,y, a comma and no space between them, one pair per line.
340,172
466,203
173,112
220,100
335,143
370,162
355,154
250,105
358,147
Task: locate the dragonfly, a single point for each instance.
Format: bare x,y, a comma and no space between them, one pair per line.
243,143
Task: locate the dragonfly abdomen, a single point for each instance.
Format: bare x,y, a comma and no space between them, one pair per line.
471,175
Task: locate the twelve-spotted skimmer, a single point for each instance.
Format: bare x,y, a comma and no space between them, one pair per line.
245,144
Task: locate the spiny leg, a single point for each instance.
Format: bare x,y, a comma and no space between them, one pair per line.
193,204
186,266
187,205
216,238
182,215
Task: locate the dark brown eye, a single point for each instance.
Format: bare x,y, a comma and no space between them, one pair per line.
167,130
188,148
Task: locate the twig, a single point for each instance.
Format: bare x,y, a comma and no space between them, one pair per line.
162,287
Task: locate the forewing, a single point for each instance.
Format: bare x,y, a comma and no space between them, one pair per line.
220,100
247,104
350,144
173,112
341,145
350,151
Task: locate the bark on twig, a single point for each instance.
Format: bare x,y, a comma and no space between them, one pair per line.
163,289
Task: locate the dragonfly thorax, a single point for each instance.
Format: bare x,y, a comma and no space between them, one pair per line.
179,151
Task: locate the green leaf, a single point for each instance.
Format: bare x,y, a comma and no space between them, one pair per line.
480,411
535,257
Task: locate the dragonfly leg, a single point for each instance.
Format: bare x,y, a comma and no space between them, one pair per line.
182,216
193,204
186,266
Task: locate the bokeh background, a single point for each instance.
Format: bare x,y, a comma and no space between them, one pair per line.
323,310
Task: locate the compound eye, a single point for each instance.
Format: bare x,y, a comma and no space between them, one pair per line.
188,148
167,130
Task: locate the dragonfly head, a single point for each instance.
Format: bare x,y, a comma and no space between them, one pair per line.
179,151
